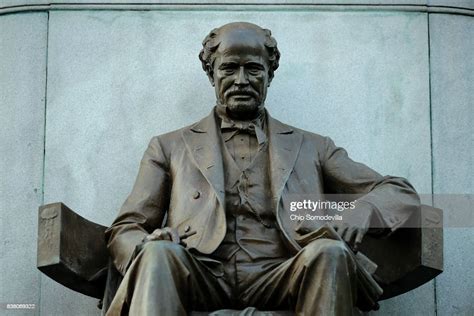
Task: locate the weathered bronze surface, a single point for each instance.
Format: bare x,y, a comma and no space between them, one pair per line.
71,250
227,177
207,225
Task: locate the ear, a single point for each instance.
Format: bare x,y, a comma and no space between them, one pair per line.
270,78
211,80
210,74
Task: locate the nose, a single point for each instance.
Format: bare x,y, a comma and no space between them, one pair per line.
241,78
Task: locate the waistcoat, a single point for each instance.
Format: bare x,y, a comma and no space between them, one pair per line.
250,219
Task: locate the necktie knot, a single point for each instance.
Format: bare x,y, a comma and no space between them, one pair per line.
241,127
244,127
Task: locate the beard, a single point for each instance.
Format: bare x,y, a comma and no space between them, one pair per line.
242,109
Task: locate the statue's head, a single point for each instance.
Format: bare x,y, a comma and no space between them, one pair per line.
240,60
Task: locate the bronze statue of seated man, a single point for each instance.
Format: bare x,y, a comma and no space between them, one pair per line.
207,225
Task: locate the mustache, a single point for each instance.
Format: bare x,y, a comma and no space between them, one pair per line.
236,91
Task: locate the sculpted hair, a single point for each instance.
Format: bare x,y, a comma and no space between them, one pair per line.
211,43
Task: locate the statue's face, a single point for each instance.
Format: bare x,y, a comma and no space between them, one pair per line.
240,72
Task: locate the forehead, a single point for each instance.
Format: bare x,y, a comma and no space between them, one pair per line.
242,42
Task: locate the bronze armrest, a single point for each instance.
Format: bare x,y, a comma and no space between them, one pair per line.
72,250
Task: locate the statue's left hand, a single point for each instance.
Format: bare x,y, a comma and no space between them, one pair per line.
165,233
353,226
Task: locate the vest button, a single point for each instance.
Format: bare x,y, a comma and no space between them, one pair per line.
196,195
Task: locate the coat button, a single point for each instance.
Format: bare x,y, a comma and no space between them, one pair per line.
187,228
196,195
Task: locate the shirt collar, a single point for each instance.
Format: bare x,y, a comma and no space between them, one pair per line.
256,124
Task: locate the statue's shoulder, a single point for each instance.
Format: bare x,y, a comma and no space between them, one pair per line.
174,139
308,137
172,136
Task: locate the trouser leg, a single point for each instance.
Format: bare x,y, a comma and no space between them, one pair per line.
319,280
165,279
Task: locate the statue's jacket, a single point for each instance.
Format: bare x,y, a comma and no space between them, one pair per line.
181,184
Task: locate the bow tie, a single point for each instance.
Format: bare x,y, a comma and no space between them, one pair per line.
244,127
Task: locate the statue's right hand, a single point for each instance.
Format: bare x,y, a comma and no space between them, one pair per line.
165,233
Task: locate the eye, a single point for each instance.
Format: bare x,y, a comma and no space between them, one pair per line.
227,69
254,69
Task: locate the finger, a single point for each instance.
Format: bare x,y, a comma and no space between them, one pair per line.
188,234
173,233
359,237
336,226
156,231
342,231
161,234
153,236
350,237
166,235
150,237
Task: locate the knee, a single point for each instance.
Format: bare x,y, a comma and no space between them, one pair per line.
160,259
333,250
162,249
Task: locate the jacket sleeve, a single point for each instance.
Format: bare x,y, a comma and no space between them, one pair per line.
391,199
144,209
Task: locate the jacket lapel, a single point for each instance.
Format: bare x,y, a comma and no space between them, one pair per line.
284,146
202,143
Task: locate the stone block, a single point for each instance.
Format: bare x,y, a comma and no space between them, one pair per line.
452,86
22,102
